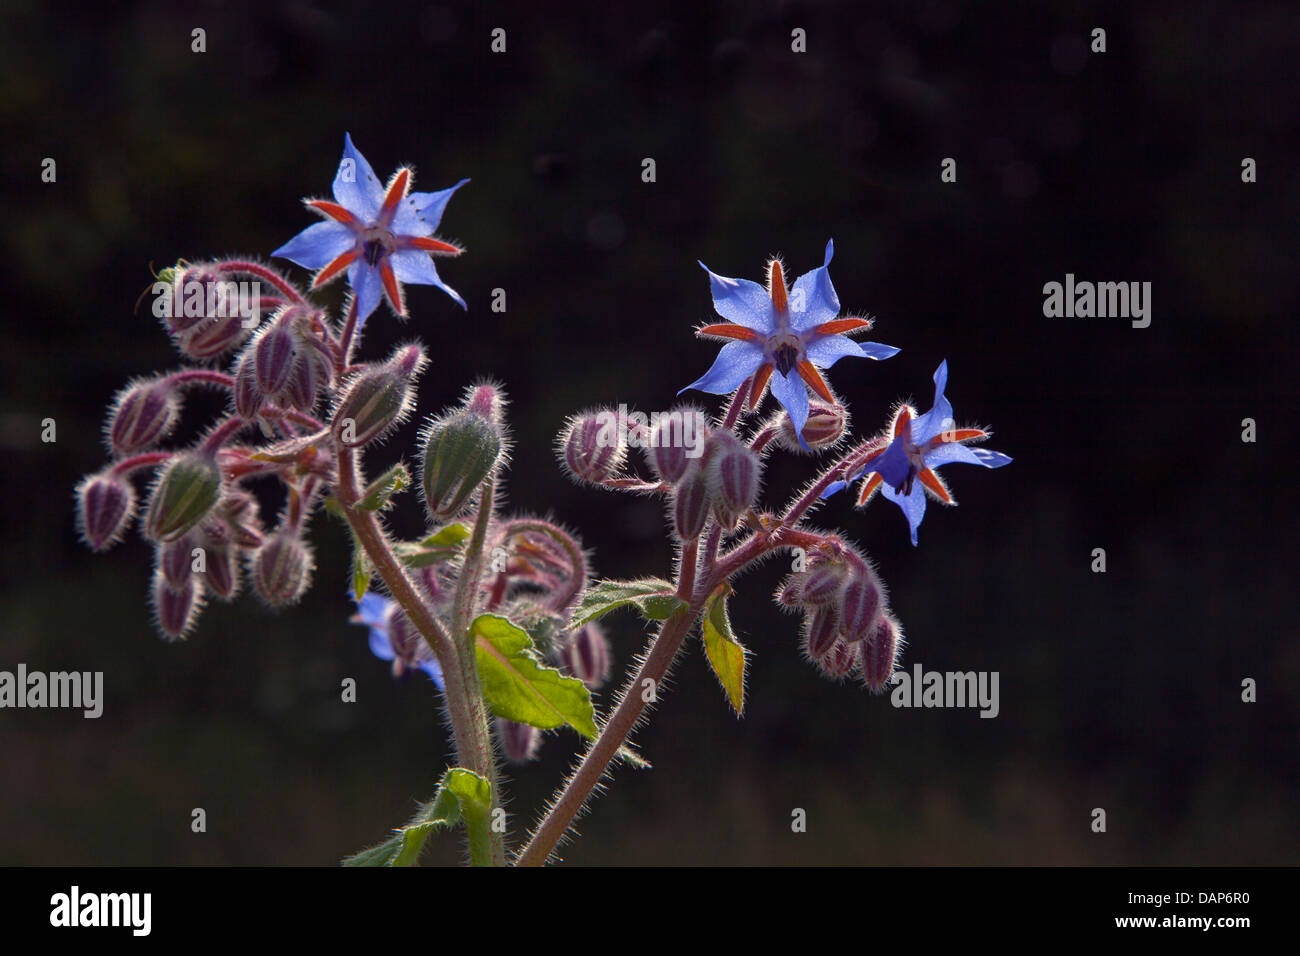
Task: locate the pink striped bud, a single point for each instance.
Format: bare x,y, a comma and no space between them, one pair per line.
591,448
312,372
519,742
144,414
825,426
586,655
880,653
176,608
818,633
817,586
274,351
213,337
175,559
282,569
860,605
733,472
840,660
105,505
221,570
676,441
249,396
691,504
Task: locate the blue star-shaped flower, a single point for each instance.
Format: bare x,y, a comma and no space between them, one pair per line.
393,638
381,235
792,334
905,470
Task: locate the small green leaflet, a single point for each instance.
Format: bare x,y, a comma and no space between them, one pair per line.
462,793
654,596
519,687
726,655
443,545
381,491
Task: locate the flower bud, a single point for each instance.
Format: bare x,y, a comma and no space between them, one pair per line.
177,608
673,439
819,633
213,337
818,585
274,352
221,570
733,472
519,742
282,569
144,414
188,297
460,452
176,559
840,660
691,504
591,448
311,373
377,400
249,396
185,494
105,504
825,426
880,653
586,655
860,605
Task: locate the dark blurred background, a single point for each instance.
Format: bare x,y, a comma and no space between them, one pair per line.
1118,690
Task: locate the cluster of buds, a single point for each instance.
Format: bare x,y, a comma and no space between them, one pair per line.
205,311
287,363
847,627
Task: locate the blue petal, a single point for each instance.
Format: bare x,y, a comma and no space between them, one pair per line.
735,362
892,464
957,453
373,608
428,207
743,302
367,287
877,351
791,392
834,488
417,267
814,291
434,671
939,417
380,645
356,188
913,505
317,246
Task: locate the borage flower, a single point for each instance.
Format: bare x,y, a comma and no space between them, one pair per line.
790,334
905,470
382,236
394,638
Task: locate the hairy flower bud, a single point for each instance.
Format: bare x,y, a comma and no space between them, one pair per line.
249,396
282,568
586,655
818,633
213,337
175,558
840,660
733,473
312,372
185,494
105,504
378,399
460,452
818,585
144,414
186,302
221,570
676,441
880,653
691,504
860,605
176,608
591,448
274,352
825,426
519,742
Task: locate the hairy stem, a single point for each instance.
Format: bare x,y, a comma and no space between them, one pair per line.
630,709
262,272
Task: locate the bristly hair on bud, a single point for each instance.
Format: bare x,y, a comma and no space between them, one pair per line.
186,492
586,655
519,742
105,507
880,653
825,428
733,472
281,568
677,441
590,447
144,413
377,399
461,450
176,609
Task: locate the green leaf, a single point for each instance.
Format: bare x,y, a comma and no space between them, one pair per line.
449,536
461,794
632,758
442,545
726,654
654,596
518,687
361,570
381,491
